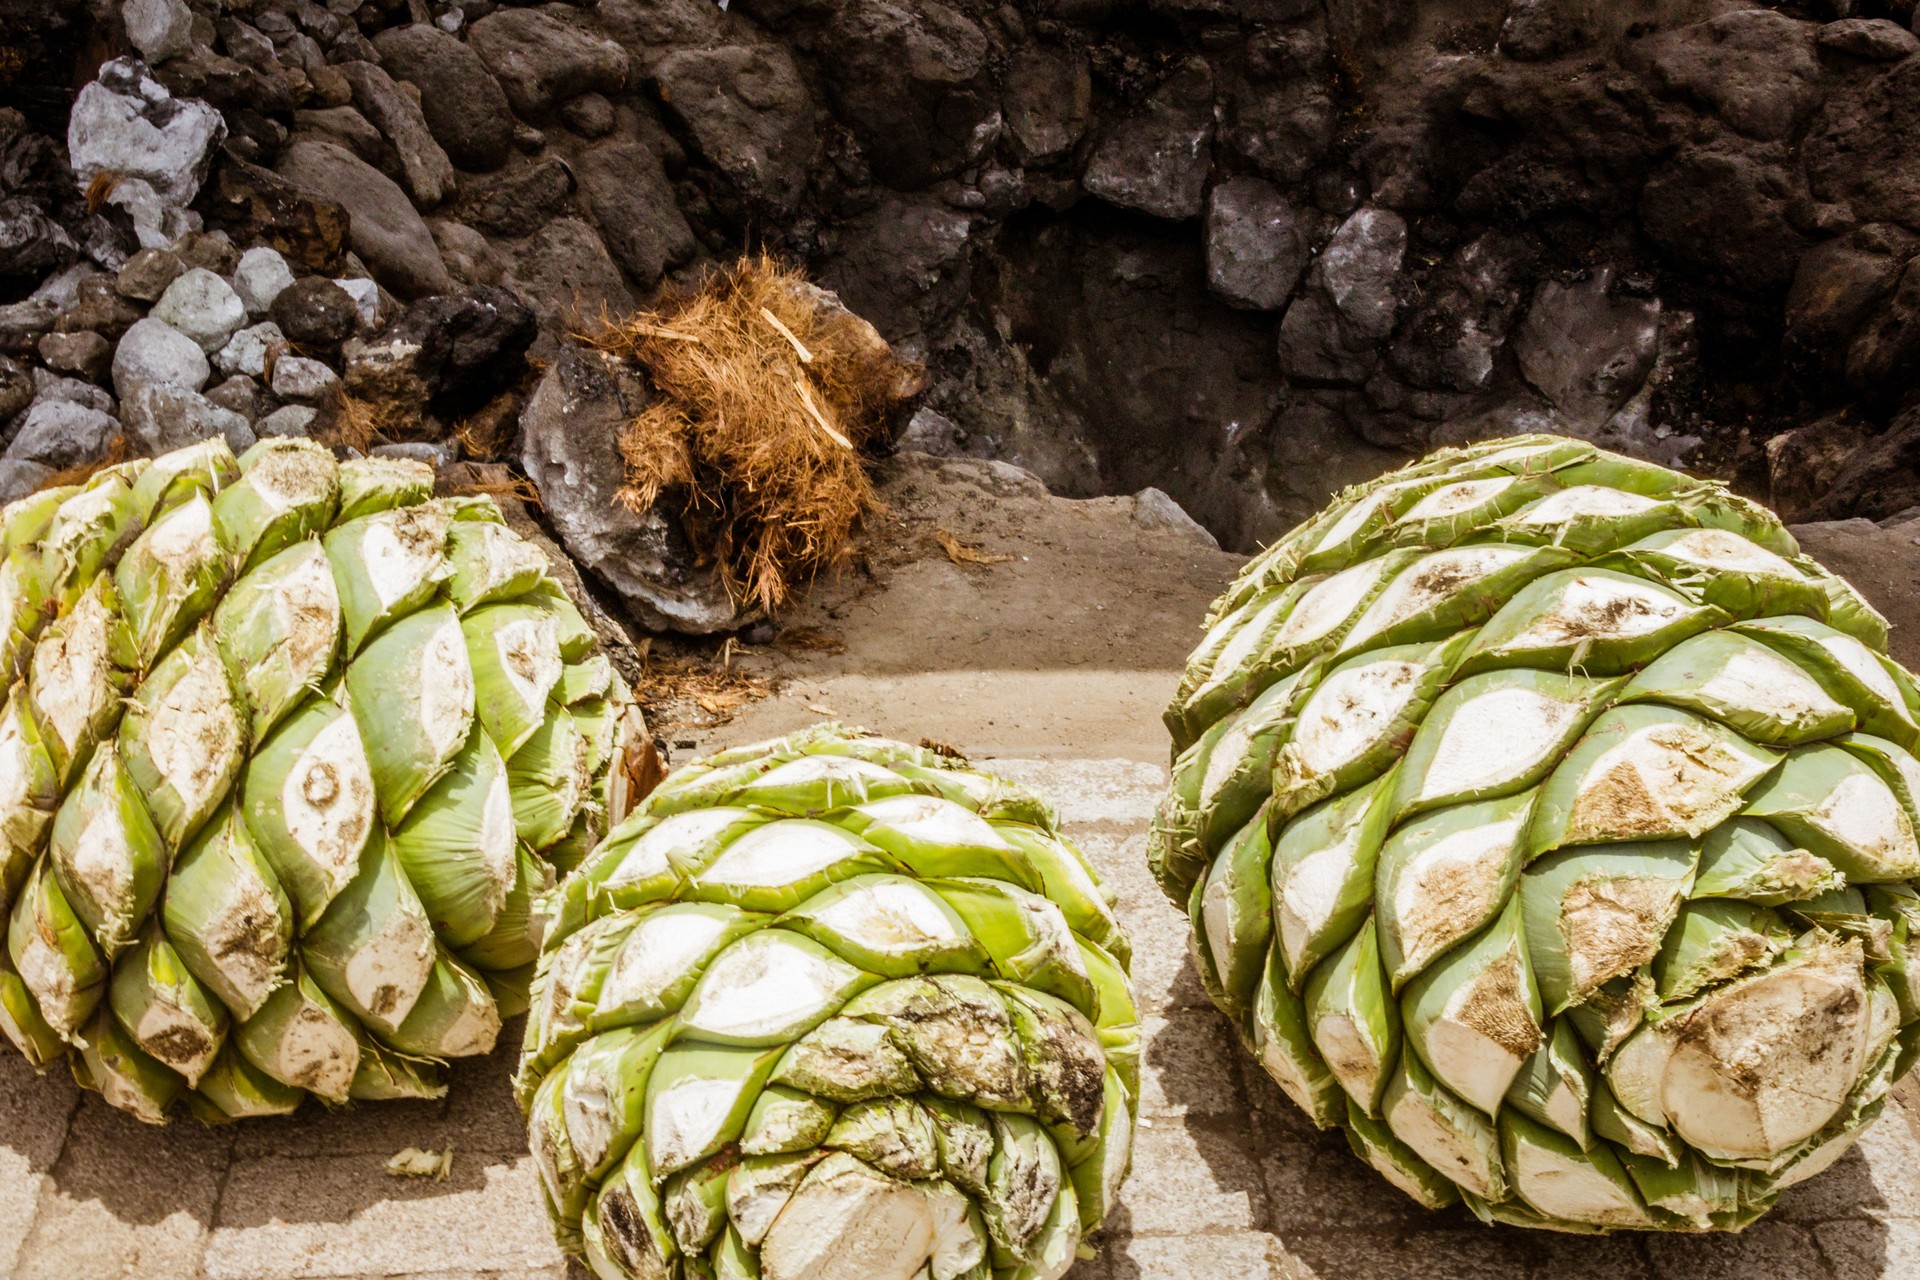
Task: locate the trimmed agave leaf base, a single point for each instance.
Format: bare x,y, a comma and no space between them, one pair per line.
832,1008
288,749
1548,824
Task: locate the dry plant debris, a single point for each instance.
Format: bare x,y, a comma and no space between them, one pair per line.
680,690
768,391
416,1163
963,552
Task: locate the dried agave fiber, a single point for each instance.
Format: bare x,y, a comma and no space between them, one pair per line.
287,750
1547,823
831,1007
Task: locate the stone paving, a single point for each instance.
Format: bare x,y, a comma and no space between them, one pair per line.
1229,1181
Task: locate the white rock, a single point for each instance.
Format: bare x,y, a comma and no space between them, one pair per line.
246,351
260,278
159,29
294,420
154,351
204,307
298,378
366,296
126,123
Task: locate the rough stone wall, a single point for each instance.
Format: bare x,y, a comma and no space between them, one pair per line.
1243,250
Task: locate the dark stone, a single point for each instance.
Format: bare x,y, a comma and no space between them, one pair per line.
1860,150
1256,244
425,170
545,57
590,115
1803,463
315,313
1874,39
1836,287
910,79
520,202
569,448
147,274
1157,159
1586,349
1722,214
16,388
256,206
1884,359
84,354
903,265
1332,331
455,352
464,104
1757,70
62,434
633,202
1047,95
350,129
1879,479
566,275
749,115
1453,339
386,230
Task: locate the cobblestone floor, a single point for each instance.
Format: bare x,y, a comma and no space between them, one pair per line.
1229,1181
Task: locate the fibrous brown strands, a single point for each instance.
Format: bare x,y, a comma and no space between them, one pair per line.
767,392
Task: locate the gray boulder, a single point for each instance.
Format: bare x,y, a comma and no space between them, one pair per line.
159,29
262,276
542,59
387,231
566,275
160,147
19,477
634,204
298,378
749,114
1256,248
569,448
463,103
159,418
1157,160
203,307
293,420
62,434
153,351
1585,351
424,166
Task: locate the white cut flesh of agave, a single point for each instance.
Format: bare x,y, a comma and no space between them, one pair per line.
1431,581
1248,640
1562,1186
1347,714
959,1240
1502,734
687,1118
1768,1061
894,916
844,778
328,803
758,1189
1336,871
1589,500
934,820
1329,604
1449,888
766,989
1452,499
849,1222
1602,607
1668,774
785,1120
71,681
649,855
194,735
779,854
1453,1138
664,950
314,1050
1360,513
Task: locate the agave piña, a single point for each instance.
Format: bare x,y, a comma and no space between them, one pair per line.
286,748
1547,823
831,1008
